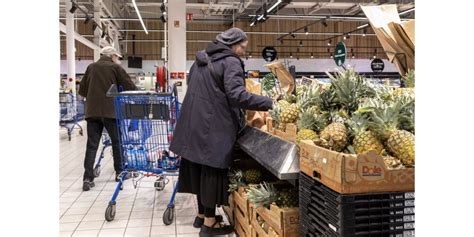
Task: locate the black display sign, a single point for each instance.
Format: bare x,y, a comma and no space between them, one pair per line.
269,54
377,65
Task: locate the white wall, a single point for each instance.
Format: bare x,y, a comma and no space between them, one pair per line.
302,65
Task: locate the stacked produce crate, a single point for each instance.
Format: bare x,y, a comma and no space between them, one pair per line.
325,212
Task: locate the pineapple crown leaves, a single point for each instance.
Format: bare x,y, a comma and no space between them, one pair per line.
307,121
311,97
235,180
385,119
269,82
358,124
409,79
349,87
262,195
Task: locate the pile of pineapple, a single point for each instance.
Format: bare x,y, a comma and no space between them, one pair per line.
261,193
354,116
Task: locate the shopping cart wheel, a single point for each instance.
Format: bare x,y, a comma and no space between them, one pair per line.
97,171
110,212
168,216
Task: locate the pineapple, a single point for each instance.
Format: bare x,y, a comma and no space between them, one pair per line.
252,176
334,136
235,180
287,199
392,162
310,98
276,111
364,139
262,195
290,98
409,89
306,134
400,143
290,114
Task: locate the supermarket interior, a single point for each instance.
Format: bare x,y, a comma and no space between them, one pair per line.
237,118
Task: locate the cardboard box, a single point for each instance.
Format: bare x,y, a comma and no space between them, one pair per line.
347,173
396,37
289,134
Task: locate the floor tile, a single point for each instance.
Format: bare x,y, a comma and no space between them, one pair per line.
111,232
90,225
139,223
65,233
71,218
141,215
115,224
186,229
68,226
137,232
163,230
85,233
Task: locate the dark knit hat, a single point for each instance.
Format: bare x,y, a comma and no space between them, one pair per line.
231,36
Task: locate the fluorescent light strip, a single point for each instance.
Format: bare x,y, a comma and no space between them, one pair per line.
406,11
139,16
260,17
274,5
362,26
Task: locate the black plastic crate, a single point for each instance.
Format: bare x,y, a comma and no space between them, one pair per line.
324,212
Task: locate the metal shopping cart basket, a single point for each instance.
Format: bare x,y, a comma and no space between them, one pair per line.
69,114
146,122
106,142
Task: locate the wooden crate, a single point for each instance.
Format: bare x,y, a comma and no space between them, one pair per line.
229,210
243,229
283,222
242,209
347,173
289,134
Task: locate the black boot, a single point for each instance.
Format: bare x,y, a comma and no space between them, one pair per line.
212,231
87,185
198,222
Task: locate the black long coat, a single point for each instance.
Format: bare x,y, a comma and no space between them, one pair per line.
209,119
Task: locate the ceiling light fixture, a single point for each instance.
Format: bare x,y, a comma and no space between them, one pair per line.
301,43
329,43
406,11
344,38
312,56
362,26
291,55
306,30
140,17
292,35
274,6
364,32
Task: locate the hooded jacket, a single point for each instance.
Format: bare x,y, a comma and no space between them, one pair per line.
209,120
98,78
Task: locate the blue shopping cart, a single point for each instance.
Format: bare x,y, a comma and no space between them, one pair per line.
106,142
145,123
69,113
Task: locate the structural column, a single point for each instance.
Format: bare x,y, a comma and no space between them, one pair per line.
70,52
97,33
177,44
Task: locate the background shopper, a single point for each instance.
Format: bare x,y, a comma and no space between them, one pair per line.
97,79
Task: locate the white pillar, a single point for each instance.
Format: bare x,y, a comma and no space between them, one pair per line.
177,42
70,49
97,32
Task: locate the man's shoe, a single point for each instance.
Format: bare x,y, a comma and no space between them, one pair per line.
207,231
87,185
198,222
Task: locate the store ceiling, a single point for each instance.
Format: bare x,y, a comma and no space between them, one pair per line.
225,11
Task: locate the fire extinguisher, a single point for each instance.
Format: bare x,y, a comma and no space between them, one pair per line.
160,79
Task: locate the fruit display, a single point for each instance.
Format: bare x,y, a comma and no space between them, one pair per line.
252,176
353,115
266,194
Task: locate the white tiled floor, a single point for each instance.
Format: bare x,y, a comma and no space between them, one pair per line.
139,211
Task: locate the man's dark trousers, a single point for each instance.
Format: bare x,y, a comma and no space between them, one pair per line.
94,133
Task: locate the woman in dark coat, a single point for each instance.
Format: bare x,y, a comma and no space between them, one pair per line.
210,120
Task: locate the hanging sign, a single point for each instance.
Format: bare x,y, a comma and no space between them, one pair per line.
377,65
269,53
340,54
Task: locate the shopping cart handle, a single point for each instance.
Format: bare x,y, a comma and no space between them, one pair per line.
113,92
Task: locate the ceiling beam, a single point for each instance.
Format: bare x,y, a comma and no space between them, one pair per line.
79,37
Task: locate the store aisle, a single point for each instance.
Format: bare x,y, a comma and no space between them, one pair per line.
139,211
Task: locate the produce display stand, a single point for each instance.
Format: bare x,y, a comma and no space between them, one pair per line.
277,155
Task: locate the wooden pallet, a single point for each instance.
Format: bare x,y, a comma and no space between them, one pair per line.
282,222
